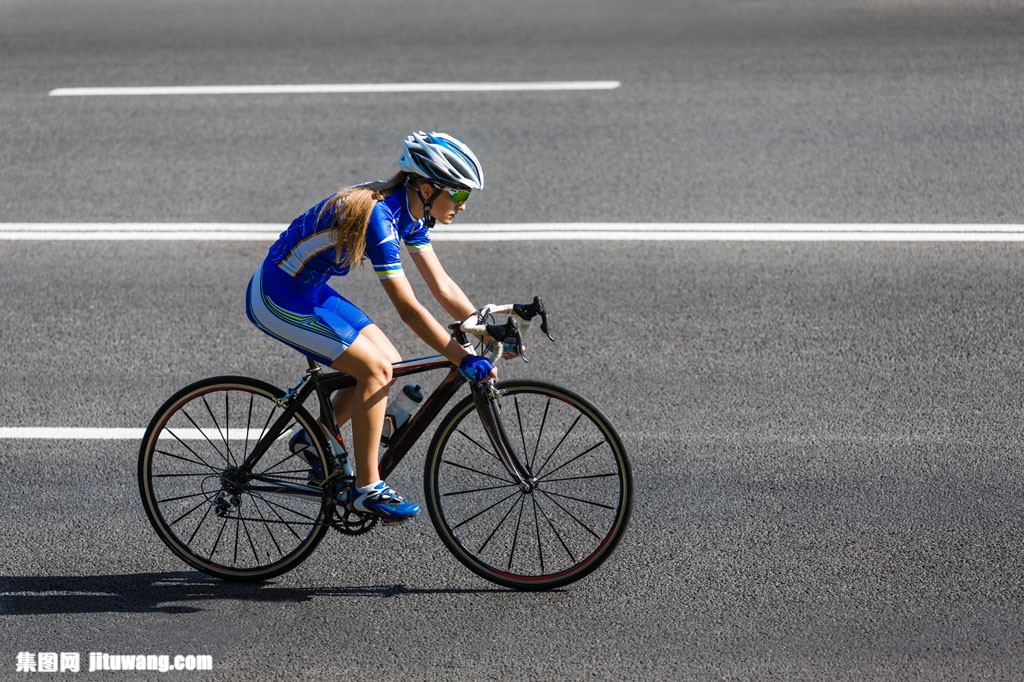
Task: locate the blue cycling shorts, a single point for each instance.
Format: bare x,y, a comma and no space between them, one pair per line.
317,321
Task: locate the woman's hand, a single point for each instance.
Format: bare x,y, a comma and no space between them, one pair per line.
476,368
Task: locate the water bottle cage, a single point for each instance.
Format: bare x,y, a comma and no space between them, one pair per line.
399,412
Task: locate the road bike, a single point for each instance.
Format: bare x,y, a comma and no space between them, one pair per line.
526,483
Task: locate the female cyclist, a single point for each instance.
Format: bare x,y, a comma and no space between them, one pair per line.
289,299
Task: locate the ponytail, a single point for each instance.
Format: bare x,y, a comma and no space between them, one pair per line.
350,225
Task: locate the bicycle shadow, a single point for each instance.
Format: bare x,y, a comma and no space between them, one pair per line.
170,592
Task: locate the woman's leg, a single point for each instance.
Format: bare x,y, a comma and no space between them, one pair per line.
343,399
371,367
322,324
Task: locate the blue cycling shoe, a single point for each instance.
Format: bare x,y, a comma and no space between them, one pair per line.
384,502
302,445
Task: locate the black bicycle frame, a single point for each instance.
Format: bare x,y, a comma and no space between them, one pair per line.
325,385
406,436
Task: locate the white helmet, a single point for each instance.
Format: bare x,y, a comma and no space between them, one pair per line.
442,159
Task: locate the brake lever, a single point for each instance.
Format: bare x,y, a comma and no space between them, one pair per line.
531,310
544,325
509,334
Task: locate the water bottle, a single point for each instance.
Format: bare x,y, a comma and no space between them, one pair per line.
400,409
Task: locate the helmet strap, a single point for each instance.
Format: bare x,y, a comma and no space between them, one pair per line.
428,219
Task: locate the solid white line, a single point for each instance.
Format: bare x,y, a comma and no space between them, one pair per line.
738,236
334,88
765,232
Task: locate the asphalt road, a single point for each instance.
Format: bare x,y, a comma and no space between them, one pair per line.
825,436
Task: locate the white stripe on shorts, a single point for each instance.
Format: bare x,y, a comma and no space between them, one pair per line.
309,340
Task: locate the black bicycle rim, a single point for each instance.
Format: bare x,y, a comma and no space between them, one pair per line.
185,461
551,535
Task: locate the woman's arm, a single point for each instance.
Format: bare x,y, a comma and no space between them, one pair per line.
443,287
419,319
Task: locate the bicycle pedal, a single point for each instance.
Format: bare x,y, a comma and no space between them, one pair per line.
396,522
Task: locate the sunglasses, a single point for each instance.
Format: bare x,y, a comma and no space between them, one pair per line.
457,195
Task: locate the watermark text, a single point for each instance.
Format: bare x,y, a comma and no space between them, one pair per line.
71,661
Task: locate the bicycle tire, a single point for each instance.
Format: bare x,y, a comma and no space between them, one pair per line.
509,536
191,441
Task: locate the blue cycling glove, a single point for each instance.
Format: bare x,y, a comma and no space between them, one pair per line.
475,368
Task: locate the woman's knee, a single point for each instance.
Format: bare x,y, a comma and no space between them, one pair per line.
379,373
364,361
373,334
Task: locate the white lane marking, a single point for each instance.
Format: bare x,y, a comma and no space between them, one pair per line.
334,88
824,232
82,433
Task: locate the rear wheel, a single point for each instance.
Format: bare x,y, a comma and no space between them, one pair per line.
566,524
203,508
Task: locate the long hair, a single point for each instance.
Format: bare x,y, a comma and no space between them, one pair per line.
350,224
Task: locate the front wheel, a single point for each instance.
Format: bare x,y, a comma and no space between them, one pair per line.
560,529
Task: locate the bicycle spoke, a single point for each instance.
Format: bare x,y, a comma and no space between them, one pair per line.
571,515
484,511
522,433
235,558
227,429
220,534
190,461
480,490
263,431
579,499
217,426
248,536
541,469
248,425
500,524
281,519
536,525
185,497
289,456
475,471
540,431
587,451
292,477
515,536
185,445
487,450
614,474
281,506
203,432
190,510
555,531
270,531
269,470
277,474
200,524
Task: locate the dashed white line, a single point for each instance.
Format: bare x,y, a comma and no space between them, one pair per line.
333,88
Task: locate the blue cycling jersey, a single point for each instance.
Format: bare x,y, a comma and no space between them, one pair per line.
306,250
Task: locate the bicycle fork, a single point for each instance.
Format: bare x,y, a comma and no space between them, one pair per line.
485,396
